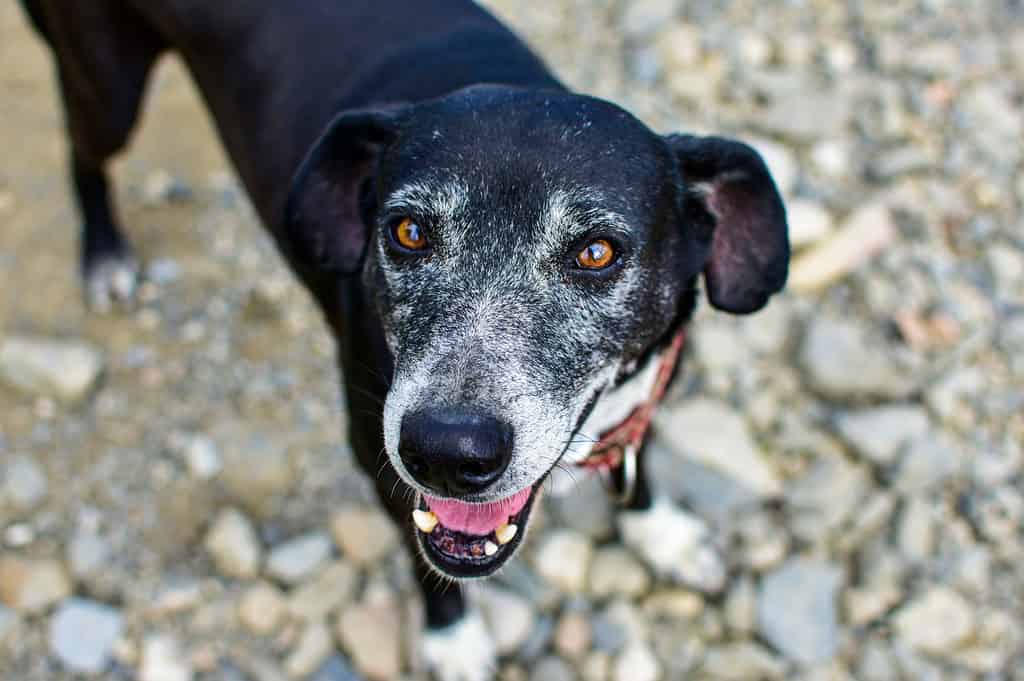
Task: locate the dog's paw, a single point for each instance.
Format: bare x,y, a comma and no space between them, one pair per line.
111,280
675,544
463,651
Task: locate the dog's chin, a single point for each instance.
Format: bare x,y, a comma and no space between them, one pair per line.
473,552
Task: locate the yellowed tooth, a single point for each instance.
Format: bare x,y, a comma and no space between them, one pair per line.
490,548
506,533
425,520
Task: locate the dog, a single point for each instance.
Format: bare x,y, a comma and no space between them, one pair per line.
507,267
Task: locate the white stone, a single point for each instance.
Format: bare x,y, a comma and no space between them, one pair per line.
936,623
164,660
563,559
781,162
713,434
637,663
809,222
233,544
65,370
83,634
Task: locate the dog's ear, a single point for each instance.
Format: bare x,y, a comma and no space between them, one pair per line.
729,190
331,196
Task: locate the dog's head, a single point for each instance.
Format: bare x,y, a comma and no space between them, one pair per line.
527,252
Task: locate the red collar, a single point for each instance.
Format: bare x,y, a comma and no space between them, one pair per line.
612,448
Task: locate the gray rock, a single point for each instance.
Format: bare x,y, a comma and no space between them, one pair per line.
87,555
8,620
586,509
826,496
796,610
25,484
32,586
563,559
812,116
43,367
880,433
712,493
538,639
712,433
336,668
364,534
298,558
202,457
929,462
510,618
83,634
233,544
843,362
936,623
552,668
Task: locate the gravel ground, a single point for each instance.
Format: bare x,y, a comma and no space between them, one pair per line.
176,504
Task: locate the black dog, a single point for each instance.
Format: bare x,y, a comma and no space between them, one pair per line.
505,265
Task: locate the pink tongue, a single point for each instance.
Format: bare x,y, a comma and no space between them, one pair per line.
476,519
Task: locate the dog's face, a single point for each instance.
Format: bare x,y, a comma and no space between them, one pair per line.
527,252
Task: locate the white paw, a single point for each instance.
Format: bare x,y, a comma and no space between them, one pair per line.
112,280
463,651
675,544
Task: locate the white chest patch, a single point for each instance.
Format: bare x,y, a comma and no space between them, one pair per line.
612,408
463,651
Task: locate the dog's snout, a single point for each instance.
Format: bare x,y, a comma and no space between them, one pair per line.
455,452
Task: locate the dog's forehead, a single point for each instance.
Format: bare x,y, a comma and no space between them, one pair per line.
526,145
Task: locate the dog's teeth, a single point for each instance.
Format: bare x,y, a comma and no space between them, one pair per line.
506,533
490,548
425,520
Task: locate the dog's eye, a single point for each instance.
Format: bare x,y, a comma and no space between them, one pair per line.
596,255
409,235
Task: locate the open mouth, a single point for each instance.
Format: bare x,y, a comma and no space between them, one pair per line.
466,540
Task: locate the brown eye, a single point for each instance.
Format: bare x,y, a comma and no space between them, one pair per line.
409,235
596,255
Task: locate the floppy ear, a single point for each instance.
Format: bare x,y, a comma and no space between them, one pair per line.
326,215
728,185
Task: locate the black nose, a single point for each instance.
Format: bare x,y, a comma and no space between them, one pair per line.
454,452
